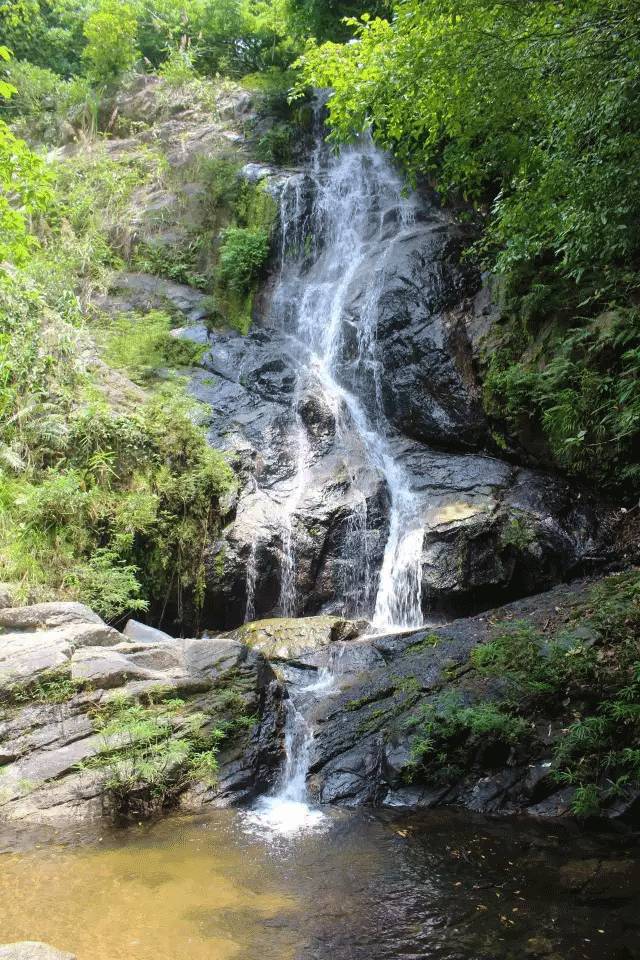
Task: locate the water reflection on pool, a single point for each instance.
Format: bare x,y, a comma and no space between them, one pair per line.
445,885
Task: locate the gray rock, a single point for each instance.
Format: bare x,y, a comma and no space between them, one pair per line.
362,748
47,615
493,531
43,743
108,668
7,598
32,950
143,291
212,656
24,656
141,631
290,639
43,638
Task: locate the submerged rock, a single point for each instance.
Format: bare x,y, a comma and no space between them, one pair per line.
32,950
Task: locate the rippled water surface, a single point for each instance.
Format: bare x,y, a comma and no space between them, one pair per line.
356,887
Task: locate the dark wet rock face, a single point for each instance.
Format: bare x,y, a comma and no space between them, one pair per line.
296,403
428,386
366,730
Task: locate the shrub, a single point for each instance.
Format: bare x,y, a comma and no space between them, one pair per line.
143,345
597,686
276,146
107,584
181,266
150,753
111,41
582,391
178,69
44,102
243,254
447,732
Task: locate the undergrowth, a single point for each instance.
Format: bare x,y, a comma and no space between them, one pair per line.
107,495
51,687
584,675
151,751
579,387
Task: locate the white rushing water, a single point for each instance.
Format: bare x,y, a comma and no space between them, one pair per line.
355,194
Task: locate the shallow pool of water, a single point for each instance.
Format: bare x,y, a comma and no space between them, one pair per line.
445,885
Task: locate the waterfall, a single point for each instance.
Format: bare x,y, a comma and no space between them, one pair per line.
252,573
355,195
324,243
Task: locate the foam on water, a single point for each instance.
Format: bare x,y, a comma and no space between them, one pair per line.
277,817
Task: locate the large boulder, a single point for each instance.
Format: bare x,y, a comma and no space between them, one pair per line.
290,639
55,682
363,748
36,640
42,615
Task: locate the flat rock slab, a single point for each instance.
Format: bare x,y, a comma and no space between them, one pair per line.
26,655
41,615
106,668
32,950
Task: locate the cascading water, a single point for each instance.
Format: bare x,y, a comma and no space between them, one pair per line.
355,195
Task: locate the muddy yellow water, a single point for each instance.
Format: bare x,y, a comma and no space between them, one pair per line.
175,891
443,886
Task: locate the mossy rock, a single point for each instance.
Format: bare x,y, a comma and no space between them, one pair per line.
288,638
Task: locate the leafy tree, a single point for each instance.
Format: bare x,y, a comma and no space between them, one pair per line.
324,19
531,114
47,33
24,189
166,25
111,41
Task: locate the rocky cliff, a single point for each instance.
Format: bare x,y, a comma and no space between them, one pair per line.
370,487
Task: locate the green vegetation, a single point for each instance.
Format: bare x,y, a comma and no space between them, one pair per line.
107,37
246,212
527,116
427,643
276,145
24,189
141,346
180,266
51,687
107,494
449,733
110,32
583,388
584,675
151,751
243,253
518,534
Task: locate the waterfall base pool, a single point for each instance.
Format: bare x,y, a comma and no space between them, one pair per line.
444,885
